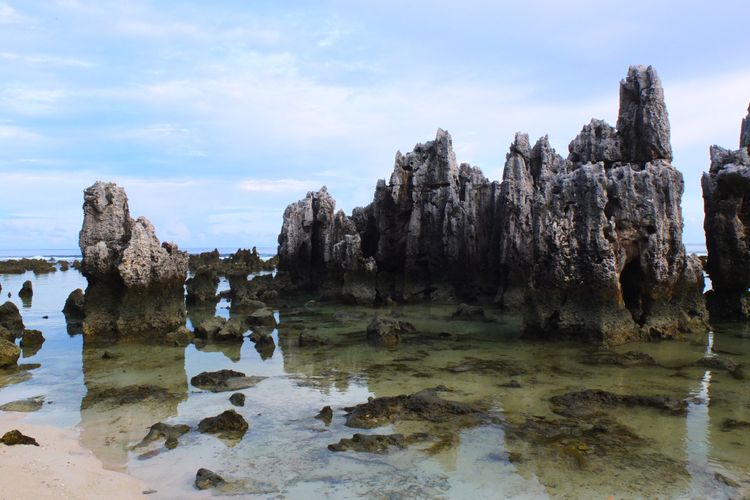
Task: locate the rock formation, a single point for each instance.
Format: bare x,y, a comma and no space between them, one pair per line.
135,285
726,198
588,246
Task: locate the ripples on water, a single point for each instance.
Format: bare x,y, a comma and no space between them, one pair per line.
285,450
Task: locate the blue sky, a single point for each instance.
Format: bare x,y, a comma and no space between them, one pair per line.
215,115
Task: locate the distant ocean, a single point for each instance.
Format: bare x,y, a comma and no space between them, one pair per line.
75,253
265,252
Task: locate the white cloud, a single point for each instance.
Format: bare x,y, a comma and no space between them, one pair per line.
276,186
13,133
45,60
9,15
30,100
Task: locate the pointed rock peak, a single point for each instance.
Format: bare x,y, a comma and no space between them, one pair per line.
521,145
745,131
643,122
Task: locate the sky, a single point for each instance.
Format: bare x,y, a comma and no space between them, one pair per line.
215,115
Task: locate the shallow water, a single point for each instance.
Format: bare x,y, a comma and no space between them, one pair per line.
284,454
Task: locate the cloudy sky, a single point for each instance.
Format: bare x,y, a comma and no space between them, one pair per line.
215,115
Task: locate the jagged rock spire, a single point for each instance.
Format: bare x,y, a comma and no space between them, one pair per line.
643,122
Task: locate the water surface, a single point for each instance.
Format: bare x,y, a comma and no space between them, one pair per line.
284,454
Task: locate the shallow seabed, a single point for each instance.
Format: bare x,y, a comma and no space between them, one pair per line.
523,449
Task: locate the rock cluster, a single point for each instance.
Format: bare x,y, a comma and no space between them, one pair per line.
726,198
588,246
135,284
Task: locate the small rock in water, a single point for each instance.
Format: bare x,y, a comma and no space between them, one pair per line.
205,479
27,291
326,415
224,380
14,437
511,384
24,405
387,331
170,433
307,339
465,311
9,353
228,425
32,338
237,399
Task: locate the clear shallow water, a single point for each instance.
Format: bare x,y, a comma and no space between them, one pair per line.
284,453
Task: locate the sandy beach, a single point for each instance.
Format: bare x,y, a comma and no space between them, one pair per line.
58,468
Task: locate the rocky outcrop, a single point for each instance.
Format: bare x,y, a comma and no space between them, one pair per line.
135,284
10,318
726,198
586,246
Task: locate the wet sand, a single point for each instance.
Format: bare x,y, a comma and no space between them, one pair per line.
58,468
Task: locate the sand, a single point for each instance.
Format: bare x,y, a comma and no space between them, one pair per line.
58,468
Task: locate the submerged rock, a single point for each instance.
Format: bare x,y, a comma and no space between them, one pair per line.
210,327
387,331
307,339
736,370
585,402
607,357
9,353
224,380
423,405
205,479
135,284
227,425
326,415
237,399
10,318
726,196
179,337
14,437
589,246
24,405
170,434
376,443
465,311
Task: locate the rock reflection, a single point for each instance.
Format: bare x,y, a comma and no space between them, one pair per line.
130,387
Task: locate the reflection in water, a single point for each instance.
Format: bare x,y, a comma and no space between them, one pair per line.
130,387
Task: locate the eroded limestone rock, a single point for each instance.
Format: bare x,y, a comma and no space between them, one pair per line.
589,246
135,283
726,199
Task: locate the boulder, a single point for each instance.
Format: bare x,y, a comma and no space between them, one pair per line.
9,353
387,331
135,284
262,317
237,399
232,330
26,291
11,319
74,310
14,437
32,338
224,380
205,479
210,327
227,425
